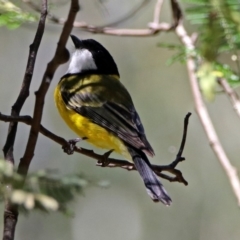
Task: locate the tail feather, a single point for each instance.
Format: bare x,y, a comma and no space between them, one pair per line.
153,186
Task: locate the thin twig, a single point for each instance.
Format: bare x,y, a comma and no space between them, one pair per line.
111,161
157,12
129,15
202,110
179,154
171,167
152,30
232,95
156,17
24,92
61,56
10,211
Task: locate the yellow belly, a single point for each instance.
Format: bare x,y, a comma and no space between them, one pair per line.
83,127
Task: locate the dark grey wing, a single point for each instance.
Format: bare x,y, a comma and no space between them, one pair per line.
122,121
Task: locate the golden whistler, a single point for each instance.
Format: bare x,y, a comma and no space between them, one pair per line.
95,105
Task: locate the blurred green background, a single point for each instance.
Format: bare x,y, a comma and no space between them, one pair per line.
205,209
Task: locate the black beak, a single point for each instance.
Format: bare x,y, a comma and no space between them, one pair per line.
77,42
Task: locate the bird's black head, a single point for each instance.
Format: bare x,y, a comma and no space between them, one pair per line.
91,57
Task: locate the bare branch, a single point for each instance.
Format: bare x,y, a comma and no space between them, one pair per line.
201,108
129,15
153,27
11,212
233,96
111,161
171,167
61,56
156,18
157,11
176,12
10,221
24,92
184,135
76,24
152,30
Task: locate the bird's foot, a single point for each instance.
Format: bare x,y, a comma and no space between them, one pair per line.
105,161
70,145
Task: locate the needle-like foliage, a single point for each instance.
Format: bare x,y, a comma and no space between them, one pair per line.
218,43
219,25
42,190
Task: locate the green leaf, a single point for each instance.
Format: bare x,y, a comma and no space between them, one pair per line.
207,81
228,74
219,26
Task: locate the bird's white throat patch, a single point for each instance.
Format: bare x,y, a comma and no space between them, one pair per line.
81,60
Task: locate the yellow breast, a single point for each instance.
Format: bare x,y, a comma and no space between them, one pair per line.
83,127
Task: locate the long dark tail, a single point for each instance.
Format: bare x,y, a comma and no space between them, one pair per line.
154,187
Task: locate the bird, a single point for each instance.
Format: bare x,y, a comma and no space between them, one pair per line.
95,104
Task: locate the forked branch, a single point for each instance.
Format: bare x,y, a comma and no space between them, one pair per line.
61,56
201,108
10,211
171,168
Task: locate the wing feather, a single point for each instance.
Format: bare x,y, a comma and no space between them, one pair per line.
111,112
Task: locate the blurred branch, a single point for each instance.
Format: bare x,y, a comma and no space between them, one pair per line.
153,27
111,161
152,30
52,17
157,11
234,98
201,108
176,12
130,14
10,212
61,56
58,20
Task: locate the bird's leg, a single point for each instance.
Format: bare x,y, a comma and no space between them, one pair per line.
70,145
104,160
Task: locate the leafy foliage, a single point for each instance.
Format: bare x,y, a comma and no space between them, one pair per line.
218,24
179,56
41,190
209,72
12,16
224,71
181,52
219,32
